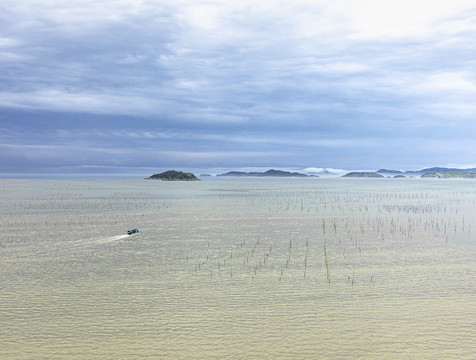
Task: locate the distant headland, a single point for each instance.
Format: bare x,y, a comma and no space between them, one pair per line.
442,172
173,175
439,170
450,175
356,174
269,173
434,172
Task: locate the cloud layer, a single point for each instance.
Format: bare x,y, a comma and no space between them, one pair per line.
218,83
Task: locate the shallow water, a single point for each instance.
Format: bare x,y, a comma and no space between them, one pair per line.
246,268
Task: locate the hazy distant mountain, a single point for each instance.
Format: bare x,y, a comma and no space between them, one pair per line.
450,175
385,171
447,170
269,173
363,175
425,171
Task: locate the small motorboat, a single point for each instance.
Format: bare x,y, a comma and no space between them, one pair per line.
133,232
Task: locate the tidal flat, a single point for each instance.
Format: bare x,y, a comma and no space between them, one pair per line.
238,269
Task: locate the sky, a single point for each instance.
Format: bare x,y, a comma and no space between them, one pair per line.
118,85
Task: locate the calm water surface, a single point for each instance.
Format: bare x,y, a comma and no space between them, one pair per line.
247,268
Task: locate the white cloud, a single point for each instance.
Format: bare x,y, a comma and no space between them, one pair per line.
461,82
452,113
206,17
8,42
224,155
83,101
324,171
374,19
27,147
339,68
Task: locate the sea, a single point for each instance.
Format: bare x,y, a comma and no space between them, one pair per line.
248,268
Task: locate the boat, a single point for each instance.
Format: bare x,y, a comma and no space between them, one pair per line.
133,232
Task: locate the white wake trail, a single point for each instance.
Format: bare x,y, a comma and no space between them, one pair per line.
111,239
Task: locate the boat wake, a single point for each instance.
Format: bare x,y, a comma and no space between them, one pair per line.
111,239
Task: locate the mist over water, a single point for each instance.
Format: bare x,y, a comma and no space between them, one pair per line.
238,268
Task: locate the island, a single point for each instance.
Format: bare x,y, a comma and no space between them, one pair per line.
357,174
439,170
269,173
450,175
173,175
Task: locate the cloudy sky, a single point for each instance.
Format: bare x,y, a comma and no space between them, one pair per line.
197,84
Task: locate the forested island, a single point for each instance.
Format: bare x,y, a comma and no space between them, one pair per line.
173,175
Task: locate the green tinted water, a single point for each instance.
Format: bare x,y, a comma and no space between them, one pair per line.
264,268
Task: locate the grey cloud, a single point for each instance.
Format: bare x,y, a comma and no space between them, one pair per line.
217,77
